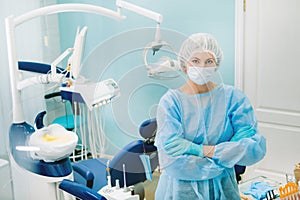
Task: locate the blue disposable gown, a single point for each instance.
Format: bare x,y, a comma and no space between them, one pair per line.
210,118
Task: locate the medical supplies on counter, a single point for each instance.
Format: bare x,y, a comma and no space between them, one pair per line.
263,188
259,187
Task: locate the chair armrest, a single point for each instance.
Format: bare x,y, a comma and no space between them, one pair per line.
79,190
85,172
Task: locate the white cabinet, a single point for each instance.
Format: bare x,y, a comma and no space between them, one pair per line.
5,181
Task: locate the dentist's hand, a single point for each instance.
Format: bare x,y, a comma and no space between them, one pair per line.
177,146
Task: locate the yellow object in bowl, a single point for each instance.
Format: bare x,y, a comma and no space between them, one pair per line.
49,138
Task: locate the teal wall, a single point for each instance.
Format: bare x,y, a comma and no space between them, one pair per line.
113,49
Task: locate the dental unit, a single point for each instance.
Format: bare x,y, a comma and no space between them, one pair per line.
43,176
92,94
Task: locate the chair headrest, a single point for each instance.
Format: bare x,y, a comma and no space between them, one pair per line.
148,128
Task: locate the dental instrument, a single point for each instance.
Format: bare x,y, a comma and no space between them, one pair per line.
107,168
124,179
108,174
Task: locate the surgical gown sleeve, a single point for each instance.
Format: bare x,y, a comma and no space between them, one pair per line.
245,151
185,167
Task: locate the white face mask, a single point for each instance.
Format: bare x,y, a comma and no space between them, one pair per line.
201,75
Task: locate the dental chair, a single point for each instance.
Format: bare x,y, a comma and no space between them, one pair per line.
239,171
91,175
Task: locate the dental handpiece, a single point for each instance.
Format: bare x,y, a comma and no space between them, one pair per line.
108,174
124,177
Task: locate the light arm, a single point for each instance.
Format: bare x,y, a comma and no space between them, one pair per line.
139,10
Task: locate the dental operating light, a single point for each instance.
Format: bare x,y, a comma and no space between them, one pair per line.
165,67
169,67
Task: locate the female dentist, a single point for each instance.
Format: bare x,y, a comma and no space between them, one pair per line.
204,129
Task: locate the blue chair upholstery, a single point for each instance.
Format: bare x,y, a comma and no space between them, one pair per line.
79,190
97,167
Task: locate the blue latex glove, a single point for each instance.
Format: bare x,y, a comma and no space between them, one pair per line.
177,146
245,132
258,190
